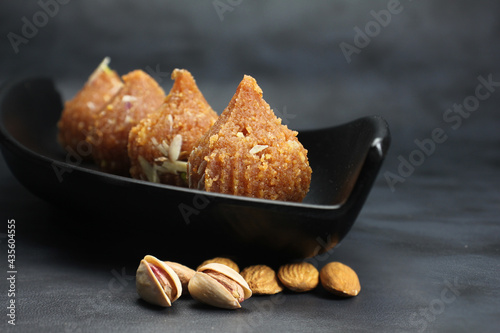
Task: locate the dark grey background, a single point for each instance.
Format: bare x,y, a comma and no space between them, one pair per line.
425,59
439,226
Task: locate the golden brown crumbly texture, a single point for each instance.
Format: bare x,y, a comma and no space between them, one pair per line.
140,96
78,116
185,112
249,152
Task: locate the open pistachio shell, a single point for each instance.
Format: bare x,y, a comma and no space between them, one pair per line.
209,290
157,283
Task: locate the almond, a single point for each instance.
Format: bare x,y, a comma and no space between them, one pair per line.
221,260
340,279
183,272
262,280
299,277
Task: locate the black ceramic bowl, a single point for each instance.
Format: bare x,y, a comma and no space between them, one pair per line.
345,160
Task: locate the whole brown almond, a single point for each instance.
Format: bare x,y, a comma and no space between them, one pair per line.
340,279
185,273
262,280
299,277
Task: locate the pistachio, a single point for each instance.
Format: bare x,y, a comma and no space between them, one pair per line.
221,260
183,272
157,283
219,285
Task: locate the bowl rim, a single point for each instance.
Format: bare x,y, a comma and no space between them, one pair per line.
379,145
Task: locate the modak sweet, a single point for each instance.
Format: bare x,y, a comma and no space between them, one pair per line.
78,117
159,146
140,96
248,152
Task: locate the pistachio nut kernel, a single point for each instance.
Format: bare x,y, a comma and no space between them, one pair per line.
220,286
157,283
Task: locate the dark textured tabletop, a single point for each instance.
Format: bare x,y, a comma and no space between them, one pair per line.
426,245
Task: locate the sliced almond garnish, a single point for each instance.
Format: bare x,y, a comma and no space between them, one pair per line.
258,148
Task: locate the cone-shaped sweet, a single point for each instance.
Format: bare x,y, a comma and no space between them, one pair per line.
78,116
140,96
160,144
249,152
